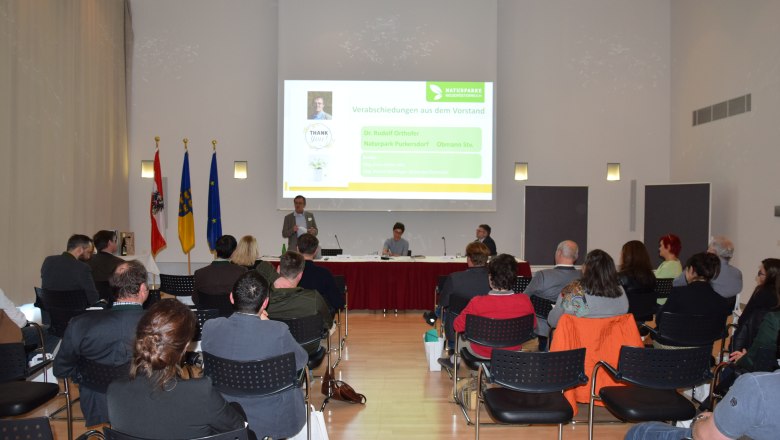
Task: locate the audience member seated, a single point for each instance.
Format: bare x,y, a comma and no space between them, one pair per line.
548,283
669,247
483,236
29,333
596,295
728,283
697,297
104,262
749,411
765,297
396,246
636,274
68,271
248,335
218,277
157,403
501,302
104,336
247,254
289,301
465,284
317,277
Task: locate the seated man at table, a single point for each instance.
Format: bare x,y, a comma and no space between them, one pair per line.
289,301
249,335
548,283
68,271
483,236
396,246
501,302
104,336
104,262
317,277
218,277
465,284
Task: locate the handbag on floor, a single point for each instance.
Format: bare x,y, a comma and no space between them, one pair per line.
340,390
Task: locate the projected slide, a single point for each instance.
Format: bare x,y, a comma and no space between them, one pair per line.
421,140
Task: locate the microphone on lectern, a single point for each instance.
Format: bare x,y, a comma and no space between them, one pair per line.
337,240
445,245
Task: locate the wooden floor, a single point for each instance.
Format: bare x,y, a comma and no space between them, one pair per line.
384,359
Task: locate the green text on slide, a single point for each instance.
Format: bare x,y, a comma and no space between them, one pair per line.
375,164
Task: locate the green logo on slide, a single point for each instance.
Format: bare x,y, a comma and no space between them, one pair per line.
438,91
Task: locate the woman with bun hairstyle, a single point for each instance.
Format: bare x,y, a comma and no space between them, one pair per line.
156,402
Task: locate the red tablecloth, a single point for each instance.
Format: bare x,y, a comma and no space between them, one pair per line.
403,285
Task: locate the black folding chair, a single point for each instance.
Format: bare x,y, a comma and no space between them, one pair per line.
653,377
521,283
177,285
542,306
341,286
34,428
663,287
488,332
221,303
17,395
529,387
683,330
257,378
239,434
61,306
308,331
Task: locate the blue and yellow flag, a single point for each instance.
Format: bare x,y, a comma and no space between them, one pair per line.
214,227
186,221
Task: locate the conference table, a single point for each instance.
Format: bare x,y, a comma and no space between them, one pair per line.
401,283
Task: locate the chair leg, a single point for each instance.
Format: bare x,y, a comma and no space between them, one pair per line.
69,409
476,419
560,431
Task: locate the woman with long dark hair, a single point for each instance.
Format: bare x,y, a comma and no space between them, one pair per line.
596,295
156,402
637,279
764,298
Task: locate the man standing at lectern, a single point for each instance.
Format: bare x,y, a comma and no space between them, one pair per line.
298,223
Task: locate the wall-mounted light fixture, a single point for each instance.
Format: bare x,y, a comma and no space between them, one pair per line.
521,170
239,169
147,169
613,171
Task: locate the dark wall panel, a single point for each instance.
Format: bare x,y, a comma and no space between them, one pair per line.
681,209
554,214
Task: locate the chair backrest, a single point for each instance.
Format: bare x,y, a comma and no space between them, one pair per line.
440,282
251,378
105,291
683,330
663,287
457,304
13,362
177,285
239,434
203,315
331,252
542,306
664,369
23,429
306,330
642,302
521,283
219,302
499,333
341,284
537,372
62,305
97,376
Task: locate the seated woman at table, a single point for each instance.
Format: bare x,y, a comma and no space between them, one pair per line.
156,402
247,254
764,298
596,295
697,297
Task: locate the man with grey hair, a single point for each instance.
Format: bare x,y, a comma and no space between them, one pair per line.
104,336
548,283
728,283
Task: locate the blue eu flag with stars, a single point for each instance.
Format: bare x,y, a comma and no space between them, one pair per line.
214,226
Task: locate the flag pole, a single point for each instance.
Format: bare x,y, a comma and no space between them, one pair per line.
154,257
189,268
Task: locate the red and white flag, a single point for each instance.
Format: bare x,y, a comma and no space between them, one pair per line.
157,209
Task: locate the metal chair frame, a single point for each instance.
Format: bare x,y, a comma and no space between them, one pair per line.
341,285
534,373
488,332
658,369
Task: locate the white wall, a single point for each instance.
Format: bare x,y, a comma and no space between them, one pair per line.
724,49
579,85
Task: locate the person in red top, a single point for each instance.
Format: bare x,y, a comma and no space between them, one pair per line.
500,303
